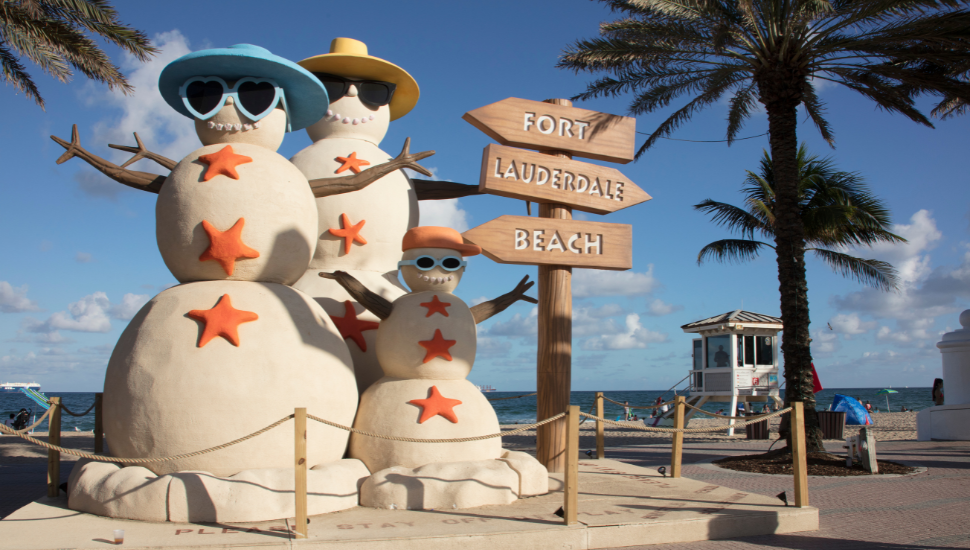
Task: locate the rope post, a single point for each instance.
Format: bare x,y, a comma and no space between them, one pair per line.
98,424
571,495
600,452
677,448
54,457
300,466
799,458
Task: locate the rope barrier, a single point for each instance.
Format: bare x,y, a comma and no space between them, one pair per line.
68,411
720,415
686,430
35,424
102,458
591,407
455,440
671,402
514,397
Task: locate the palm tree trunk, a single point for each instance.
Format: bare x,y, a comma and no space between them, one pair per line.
793,287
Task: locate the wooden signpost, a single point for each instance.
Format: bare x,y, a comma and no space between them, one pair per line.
553,241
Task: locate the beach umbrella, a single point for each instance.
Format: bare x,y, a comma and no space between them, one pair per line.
887,392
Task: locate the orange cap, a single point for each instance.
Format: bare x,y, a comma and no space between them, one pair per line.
430,236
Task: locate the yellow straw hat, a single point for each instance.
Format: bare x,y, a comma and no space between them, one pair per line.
348,58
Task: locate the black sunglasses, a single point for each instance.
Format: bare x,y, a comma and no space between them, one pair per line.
371,92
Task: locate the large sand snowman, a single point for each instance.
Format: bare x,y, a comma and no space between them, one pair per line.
234,347
426,346
361,232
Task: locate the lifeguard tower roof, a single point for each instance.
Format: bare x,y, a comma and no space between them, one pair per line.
737,316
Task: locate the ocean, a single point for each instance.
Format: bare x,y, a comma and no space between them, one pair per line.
511,411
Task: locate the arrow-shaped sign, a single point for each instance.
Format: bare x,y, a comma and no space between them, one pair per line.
545,241
545,126
520,174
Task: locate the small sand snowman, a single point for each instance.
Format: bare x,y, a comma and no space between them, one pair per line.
426,346
359,232
234,348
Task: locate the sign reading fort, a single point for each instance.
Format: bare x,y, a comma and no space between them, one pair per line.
545,241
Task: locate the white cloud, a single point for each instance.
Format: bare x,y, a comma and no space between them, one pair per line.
487,348
518,326
444,213
129,306
93,313
83,258
825,342
594,282
635,337
849,325
14,300
659,308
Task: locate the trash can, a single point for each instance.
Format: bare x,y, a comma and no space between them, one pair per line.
758,430
832,424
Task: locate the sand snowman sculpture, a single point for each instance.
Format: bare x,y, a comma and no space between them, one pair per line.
360,232
234,347
426,346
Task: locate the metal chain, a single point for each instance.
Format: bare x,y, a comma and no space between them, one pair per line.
686,430
456,440
68,411
102,458
514,397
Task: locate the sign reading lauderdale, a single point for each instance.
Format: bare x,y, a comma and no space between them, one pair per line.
519,174
538,125
546,241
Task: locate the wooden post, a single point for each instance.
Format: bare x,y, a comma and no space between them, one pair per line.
799,458
677,447
571,495
300,466
54,457
554,361
98,424
600,452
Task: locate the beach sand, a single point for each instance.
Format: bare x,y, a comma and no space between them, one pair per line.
888,427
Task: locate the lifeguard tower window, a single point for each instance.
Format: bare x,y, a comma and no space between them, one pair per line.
765,350
745,351
718,351
698,355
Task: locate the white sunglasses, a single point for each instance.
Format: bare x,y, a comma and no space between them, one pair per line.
427,263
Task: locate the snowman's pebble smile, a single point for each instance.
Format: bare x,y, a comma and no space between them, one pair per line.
437,280
347,120
233,127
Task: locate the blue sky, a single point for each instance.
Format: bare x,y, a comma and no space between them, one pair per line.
79,253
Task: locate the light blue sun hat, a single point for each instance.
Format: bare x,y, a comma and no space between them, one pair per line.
305,98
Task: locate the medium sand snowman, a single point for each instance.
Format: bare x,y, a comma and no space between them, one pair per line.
426,346
359,232
233,348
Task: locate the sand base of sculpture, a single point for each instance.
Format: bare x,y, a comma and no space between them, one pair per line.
943,423
619,505
134,492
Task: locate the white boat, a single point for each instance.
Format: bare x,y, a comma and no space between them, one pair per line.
15,386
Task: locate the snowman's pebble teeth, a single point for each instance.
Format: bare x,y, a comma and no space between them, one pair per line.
233,127
329,112
346,120
256,124
356,121
247,126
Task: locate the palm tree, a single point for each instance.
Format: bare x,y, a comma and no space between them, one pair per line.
773,52
837,210
51,34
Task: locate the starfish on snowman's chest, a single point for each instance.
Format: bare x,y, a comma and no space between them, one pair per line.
351,163
222,320
350,232
436,405
223,163
351,327
227,246
437,347
436,306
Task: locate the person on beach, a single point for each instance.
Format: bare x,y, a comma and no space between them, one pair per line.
937,393
626,410
868,406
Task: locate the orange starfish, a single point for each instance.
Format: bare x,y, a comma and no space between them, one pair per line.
351,163
352,327
224,163
350,232
226,246
222,320
435,405
436,306
437,347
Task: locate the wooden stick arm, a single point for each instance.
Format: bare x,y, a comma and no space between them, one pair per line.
433,190
373,302
325,187
132,178
141,152
493,307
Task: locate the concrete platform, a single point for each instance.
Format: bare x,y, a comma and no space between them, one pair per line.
619,505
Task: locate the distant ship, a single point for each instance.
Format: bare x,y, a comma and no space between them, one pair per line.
485,389
15,386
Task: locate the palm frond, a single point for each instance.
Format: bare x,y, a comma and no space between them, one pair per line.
732,217
875,273
731,250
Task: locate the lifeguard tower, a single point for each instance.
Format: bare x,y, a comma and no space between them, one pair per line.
735,359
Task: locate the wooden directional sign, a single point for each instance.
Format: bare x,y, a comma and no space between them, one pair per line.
520,174
545,126
545,241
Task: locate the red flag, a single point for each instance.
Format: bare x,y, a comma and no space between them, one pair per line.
816,385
